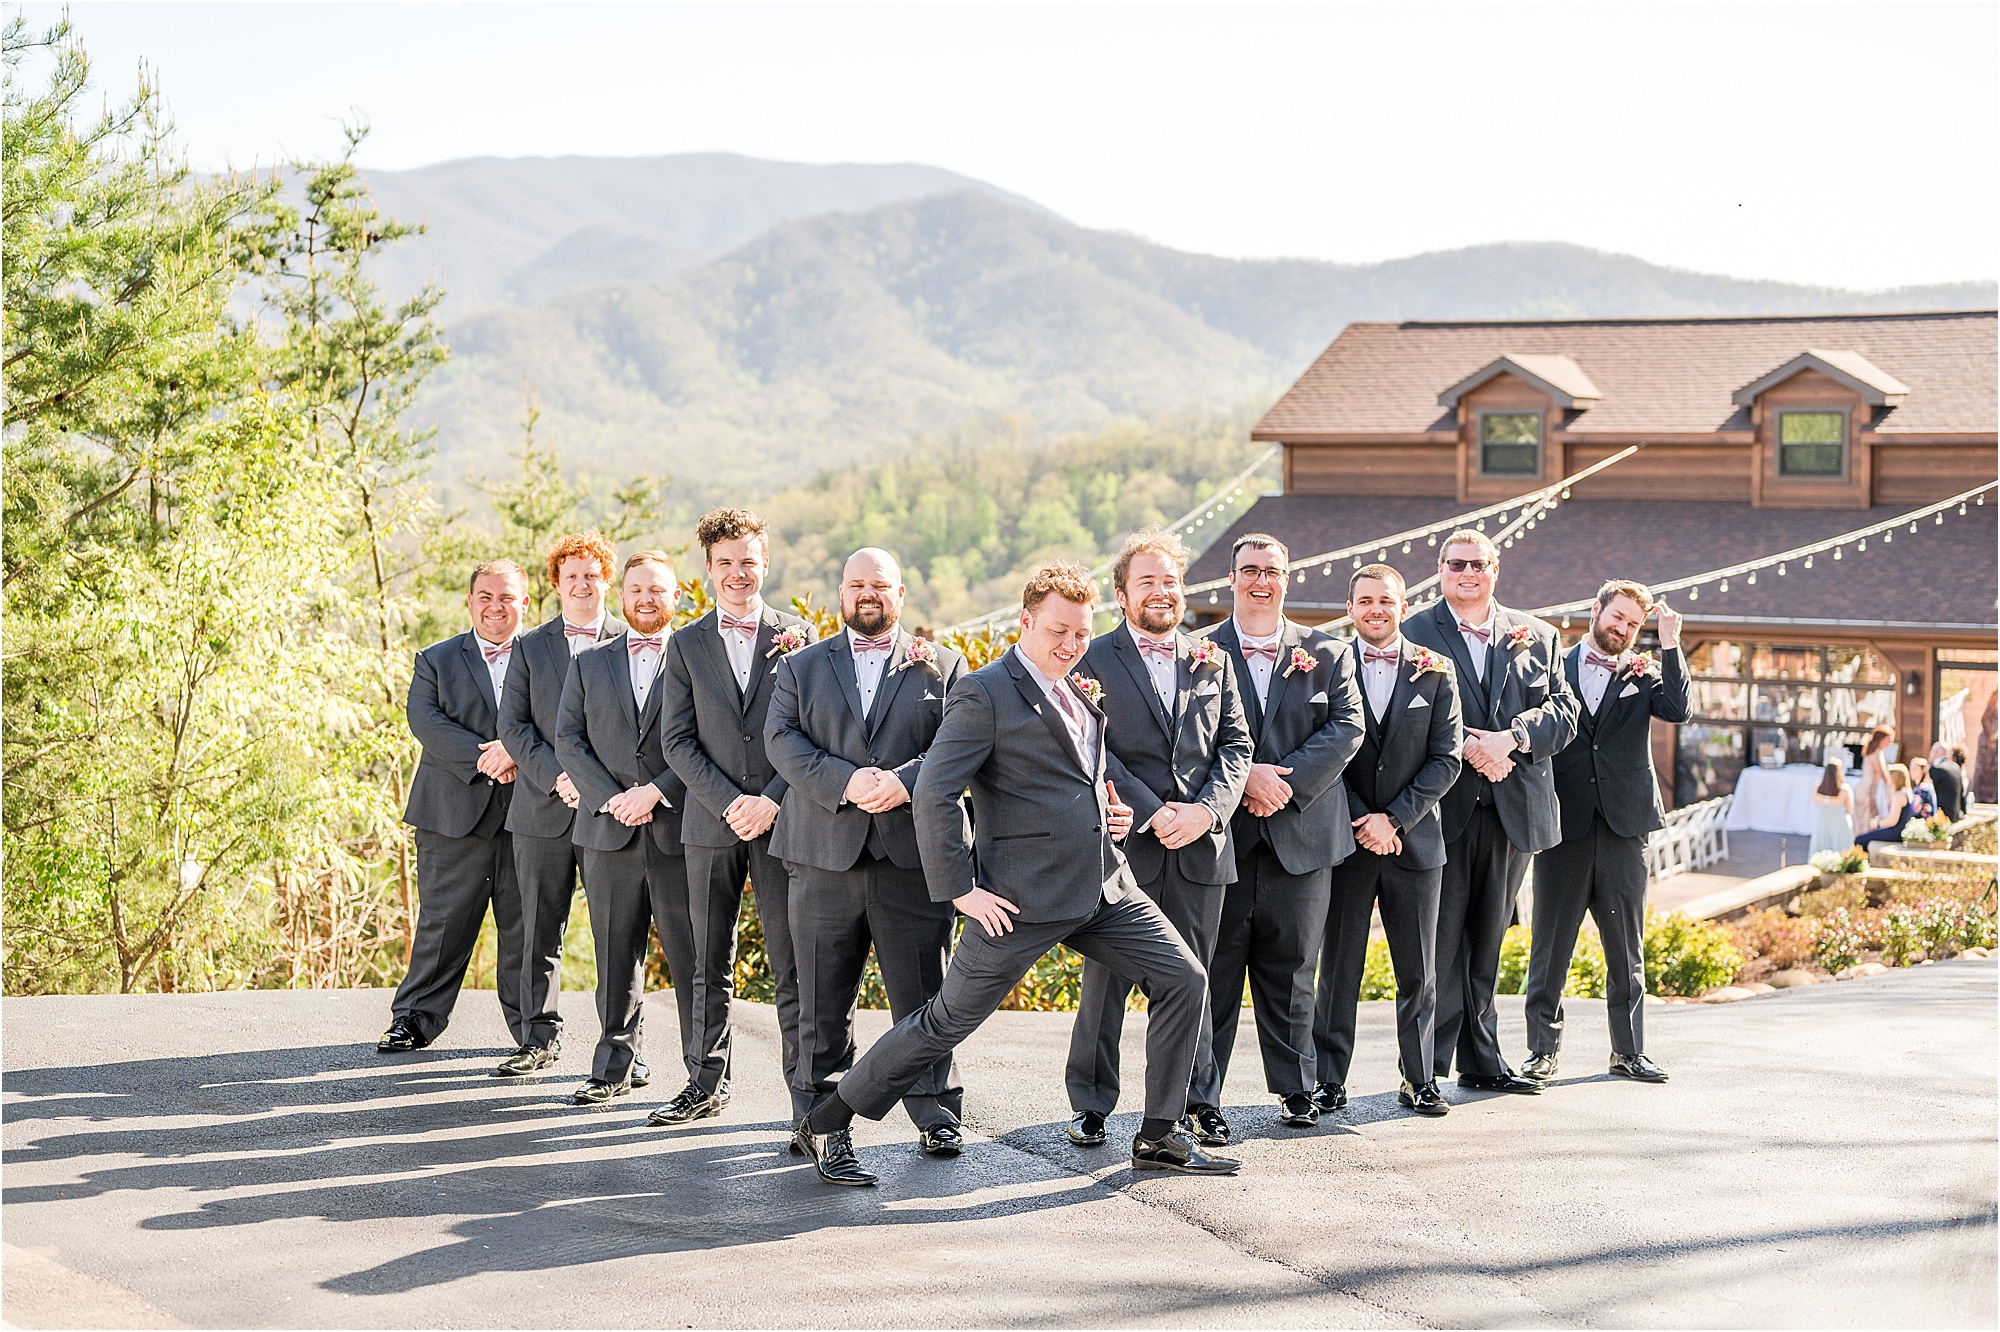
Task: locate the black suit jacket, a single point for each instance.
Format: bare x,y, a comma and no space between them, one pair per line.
1199,755
528,724
1311,722
1608,768
452,711
608,746
1523,682
817,739
1948,780
714,731
1409,758
1043,833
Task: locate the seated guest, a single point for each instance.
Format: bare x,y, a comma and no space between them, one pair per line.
1923,796
1901,811
1948,779
1833,809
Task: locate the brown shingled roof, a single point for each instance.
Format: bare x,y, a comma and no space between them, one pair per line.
1656,375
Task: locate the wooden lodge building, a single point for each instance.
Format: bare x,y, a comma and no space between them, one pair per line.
1760,435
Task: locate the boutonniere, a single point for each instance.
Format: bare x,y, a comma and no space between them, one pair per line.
1518,637
1426,661
1302,660
1089,688
922,652
786,641
1203,652
1641,666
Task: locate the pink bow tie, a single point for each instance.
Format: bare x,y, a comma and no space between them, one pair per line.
1483,635
1268,651
637,643
1599,659
1369,654
747,626
882,644
1149,648
494,651
578,630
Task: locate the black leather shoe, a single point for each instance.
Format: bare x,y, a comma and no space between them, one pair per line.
1086,1128
528,1059
943,1140
1540,1067
642,1076
1425,1100
1178,1151
833,1156
599,1092
1638,1068
1329,1097
401,1038
1500,1082
691,1104
1297,1111
1207,1126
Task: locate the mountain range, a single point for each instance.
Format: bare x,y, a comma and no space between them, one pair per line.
744,324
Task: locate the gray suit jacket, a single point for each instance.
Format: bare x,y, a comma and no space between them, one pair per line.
1409,758
1608,768
714,731
452,711
817,738
607,746
528,724
1042,836
1310,722
1199,755
1521,682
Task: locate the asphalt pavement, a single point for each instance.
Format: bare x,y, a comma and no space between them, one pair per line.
1822,1157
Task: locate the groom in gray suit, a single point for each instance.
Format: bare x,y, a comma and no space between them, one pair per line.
850,719
1041,867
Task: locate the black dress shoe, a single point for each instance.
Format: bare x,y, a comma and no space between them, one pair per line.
1638,1068
401,1038
942,1140
1329,1097
641,1076
691,1104
599,1092
1207,1126
1297,1110
1500,1082
1425,1100
1540,1067
528,1059
832,1155
1086,1128
1178,1151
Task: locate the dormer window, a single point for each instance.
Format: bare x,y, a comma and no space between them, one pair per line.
1510,443
1812,444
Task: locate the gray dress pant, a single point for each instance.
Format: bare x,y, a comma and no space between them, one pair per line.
1409,902
1270,933
1604,874
837,915
1195,912
545,869
627,892
457,879
715,897
1482,877
1132,939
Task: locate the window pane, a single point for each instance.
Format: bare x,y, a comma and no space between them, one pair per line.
1512,428
1787,703
1788,746
1779,662
1710,759
1852,665
1726,702
1843,747
1861,709
1811,443
1809,427
1716,659
1968,654
1809,460
1510,443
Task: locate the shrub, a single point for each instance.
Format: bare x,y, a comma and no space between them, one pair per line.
1378,972
1685,956
1901,932
1848,897
1844,936
1587,970
1851,861
1780,940
1983,839
1513,961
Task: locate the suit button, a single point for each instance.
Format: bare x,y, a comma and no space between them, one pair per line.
1597,746
746,740
1095,827
1593,781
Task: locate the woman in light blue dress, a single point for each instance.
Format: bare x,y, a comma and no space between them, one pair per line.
1833,804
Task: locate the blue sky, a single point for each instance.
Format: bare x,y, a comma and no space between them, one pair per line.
1850,145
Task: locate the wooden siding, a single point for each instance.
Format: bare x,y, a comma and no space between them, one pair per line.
1669,471
1920,473
1350,469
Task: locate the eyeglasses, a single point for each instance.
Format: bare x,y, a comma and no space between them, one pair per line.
1469,566
1251,573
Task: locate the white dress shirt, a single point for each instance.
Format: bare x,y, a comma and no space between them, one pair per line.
645,666
1161,669
1591,679
868,668
1378,678
739,648
496,668
577,644
1076,719
1261,671
1473,647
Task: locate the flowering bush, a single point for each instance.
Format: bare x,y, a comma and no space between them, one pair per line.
1685,956
1780,941
1936,828
1851,861
1844,936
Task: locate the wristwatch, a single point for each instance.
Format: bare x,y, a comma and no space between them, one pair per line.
1519,730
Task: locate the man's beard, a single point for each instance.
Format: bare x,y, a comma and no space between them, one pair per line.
647,624
1599,636
870,618
1157,620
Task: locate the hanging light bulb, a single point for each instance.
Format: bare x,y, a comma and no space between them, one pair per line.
1781,571
1211,598
1887,537
1565,494
1961,508
1357,561
1937,521
1694,594
1406,545
1913,527
1381,555
1724,587
1861,544
1302,575
1752,579
1434,539
1808,563
1325,571
1836,552
1481,524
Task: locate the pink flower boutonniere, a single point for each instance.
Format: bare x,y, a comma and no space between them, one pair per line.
1088,687
1518,637
1203,652
1426,661
1302,660
1642,665
786,641
922,652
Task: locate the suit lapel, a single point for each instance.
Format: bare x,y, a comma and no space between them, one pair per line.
845,671
620,667
1573,668
644,717
1031,692
1399,697
1253,710
1290,635
476,662
760,656
1135,666
1184,673
890,684
1471,688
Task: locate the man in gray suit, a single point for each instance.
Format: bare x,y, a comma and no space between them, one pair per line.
716,685
539,819
458,806
850,719
1519,713
627,828
1041,867
1304,711
1180,753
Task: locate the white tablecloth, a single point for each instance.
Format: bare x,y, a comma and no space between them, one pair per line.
1778,800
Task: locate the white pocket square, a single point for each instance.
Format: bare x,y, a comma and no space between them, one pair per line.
1419,702
1320,697
929,697
1211,687
1537,681
1628,691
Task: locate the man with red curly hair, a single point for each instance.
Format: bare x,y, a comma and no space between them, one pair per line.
580,568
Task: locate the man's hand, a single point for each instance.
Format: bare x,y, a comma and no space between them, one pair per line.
1267,791
751,816
1179,823
566,789
1117,814
861,785
1377,832
1670,625
495,762
635,806
989,910
1490,752
889,792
